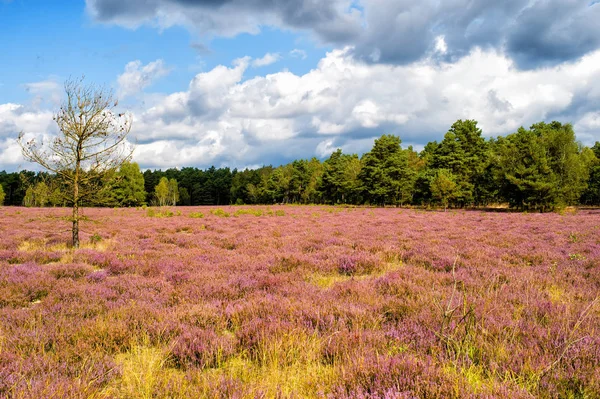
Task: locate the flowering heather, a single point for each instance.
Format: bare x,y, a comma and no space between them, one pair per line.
294,302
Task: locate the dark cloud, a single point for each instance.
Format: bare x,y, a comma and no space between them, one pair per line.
541,32
327,19
118,10
534,33
550,32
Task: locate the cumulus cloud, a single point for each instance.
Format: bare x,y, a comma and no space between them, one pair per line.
267,59
137,77
533,32
223,119
14,119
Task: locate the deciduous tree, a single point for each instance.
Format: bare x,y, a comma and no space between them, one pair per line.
162,191
128,187
444,187
90,146
173,192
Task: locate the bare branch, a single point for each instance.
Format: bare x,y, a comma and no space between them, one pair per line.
90,146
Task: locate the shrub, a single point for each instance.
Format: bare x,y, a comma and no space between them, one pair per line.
220,213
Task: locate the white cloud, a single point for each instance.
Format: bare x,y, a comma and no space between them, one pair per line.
588,127
325,148
298,53
46,91
222,119
137,76
14,119
440,45
268,59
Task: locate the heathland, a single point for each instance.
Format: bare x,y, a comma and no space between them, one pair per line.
299,301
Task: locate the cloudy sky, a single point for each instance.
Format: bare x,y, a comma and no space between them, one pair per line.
242,83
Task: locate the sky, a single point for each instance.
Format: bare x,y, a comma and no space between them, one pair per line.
245,83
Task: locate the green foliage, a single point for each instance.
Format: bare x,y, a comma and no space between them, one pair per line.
40,194
128,186
542,168
57,198
2,195
173,192
386,174
464,153
162,191
340,182
444,188
196,215
160,213
95,238
220,213
184,196
525,170
29,199
568,162
591,196
248,211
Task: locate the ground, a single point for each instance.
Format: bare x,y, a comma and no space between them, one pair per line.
294,302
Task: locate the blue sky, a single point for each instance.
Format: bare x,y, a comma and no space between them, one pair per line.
54,39
243,83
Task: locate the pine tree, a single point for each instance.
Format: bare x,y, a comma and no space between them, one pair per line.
128,187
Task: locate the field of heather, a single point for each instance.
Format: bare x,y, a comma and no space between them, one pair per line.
294,302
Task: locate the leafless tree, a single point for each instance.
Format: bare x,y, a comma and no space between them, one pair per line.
91,145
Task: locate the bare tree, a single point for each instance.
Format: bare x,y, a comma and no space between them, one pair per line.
91,145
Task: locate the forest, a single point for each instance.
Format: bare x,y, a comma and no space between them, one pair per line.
543,168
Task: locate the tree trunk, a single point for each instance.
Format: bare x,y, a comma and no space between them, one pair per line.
76,196
76,215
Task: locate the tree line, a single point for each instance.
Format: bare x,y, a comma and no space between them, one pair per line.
541,168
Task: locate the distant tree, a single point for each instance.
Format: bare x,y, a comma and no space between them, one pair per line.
591,196
351,185
128,186
278,188
173,192
567,159
11,183
2,195
41,194
151,180
90,146
340,182
29,198
444,188
331,182
596,149
56,197
385,173
162,191
184,196
528,181
464,152
304,178
542,168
